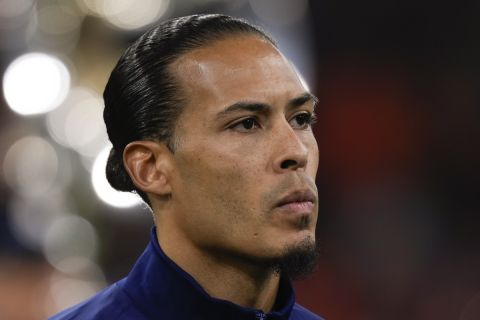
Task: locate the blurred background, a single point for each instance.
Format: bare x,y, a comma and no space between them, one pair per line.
398,131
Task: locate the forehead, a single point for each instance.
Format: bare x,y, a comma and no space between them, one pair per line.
239,68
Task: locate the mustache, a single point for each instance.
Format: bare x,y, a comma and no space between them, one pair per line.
290,183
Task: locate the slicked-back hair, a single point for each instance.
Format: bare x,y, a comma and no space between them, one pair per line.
142,98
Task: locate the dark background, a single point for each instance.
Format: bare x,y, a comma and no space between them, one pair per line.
398,132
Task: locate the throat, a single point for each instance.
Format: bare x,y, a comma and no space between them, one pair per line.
237,281
247,290
228,278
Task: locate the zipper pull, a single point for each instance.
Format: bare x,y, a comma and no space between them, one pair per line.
260,316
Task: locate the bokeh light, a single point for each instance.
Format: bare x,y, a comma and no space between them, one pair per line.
15,8
69,236
103,189
57,20
128,14
84,128
31,166
67,124
58,28
80,266
35,83
17,25
30,218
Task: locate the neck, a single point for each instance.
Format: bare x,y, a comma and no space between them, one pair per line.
221,277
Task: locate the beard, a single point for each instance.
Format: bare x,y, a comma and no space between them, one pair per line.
297,261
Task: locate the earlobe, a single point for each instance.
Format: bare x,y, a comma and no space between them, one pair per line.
148,164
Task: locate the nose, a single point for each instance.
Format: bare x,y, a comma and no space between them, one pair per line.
291,152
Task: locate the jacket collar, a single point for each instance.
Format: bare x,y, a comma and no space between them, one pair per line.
160,287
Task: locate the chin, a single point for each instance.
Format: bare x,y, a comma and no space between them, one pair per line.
298,238
299,259
296,257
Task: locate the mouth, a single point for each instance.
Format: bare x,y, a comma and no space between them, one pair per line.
298,202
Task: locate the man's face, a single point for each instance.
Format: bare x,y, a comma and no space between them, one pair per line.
246,158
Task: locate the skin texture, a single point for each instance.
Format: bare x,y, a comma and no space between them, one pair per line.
214,199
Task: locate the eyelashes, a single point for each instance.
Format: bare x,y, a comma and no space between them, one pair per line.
304,119
300,121
246,124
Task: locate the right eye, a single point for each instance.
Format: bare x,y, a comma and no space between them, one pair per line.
245,125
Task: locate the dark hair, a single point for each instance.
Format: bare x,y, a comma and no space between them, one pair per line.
142,99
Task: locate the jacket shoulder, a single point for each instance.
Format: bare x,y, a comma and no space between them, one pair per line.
301,313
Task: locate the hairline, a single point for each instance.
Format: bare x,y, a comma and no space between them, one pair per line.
172,142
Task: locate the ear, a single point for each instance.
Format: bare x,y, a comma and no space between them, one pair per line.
149,164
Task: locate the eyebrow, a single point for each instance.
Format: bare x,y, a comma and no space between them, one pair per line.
259,107
301,100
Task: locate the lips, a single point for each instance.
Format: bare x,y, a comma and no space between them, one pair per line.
305,198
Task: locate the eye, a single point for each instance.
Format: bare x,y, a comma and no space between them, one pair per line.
302,120
245,125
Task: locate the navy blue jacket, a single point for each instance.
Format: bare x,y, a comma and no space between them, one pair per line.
156,288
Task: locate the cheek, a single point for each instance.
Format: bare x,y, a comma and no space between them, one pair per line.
218,180
313,157
225,163
219,198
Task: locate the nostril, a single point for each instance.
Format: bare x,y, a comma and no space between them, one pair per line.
288,163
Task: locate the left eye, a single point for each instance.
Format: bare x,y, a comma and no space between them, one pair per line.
302,120
246,125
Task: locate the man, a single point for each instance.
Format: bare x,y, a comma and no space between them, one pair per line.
210,124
